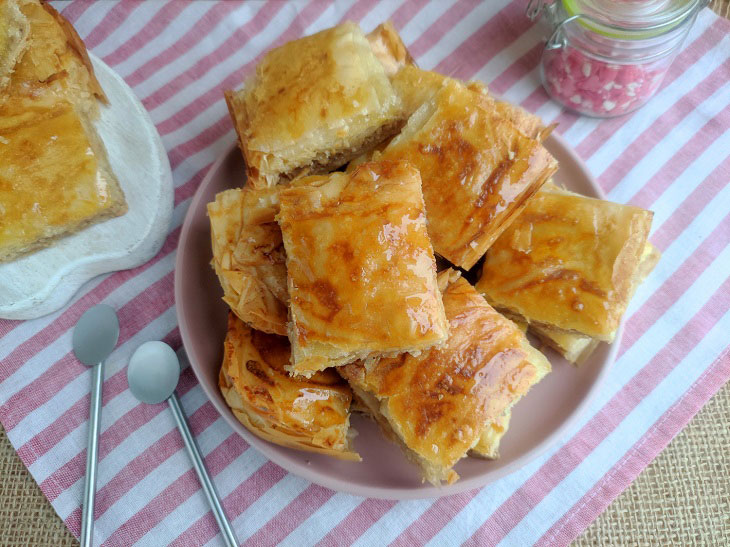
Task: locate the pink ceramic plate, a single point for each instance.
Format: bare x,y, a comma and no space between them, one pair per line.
538,420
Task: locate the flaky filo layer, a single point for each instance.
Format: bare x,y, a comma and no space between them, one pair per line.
441,403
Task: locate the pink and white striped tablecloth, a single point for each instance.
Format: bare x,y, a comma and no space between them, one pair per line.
672,156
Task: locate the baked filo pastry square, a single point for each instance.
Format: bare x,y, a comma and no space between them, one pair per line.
568,264
312,105
438,405
478,170
361,269
307,414
249,260
55,178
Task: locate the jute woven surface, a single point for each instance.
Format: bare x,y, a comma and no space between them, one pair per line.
681,498
26,517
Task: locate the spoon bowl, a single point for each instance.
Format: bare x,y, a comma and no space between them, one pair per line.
153,372
96,334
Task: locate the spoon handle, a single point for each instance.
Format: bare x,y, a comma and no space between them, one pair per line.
208,486
87,515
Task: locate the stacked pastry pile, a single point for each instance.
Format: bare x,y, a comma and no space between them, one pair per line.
55,178
363,172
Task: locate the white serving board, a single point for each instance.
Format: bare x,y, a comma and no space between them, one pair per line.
44,281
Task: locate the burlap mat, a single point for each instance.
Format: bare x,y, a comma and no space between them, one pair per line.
681,498
26,517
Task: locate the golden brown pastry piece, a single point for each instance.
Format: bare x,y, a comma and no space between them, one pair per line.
576,347
568,263
55,61
14,31
478,170
361,269
312,105
311,415
249,259
438,404
55,178
261,205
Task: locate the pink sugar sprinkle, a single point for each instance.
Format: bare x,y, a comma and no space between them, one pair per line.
598,88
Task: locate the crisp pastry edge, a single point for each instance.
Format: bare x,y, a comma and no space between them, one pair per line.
77,44
389,49
233,399
236,402
249,279
488,444
116,195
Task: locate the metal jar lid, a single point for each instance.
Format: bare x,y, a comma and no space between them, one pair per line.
624,19
632,19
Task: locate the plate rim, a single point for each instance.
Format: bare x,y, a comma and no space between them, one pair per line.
270,450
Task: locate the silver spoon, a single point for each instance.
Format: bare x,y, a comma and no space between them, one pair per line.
152,374
94,337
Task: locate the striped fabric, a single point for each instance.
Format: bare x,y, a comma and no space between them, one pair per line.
672,156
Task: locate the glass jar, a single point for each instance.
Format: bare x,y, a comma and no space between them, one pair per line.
606,58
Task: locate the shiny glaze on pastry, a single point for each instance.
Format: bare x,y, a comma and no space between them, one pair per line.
250,263
361,269
441,402
568,262
311,415
51,178
312,105
55,62
477,169
576,348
